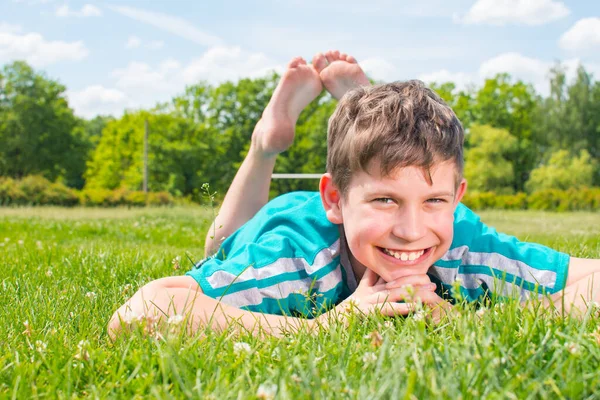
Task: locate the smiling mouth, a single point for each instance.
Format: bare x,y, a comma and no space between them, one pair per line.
406,256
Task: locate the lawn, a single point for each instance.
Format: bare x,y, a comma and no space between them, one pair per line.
63,273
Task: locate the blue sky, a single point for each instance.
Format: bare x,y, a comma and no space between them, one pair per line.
113,55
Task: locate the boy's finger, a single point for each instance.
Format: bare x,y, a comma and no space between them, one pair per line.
369,278
426,295
393,309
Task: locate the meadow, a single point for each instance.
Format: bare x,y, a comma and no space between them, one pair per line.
63,272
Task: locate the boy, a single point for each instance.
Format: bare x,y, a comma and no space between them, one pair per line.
385,224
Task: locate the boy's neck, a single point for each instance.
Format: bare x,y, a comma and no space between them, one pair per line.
357,268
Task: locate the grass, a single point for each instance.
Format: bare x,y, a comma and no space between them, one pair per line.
63,272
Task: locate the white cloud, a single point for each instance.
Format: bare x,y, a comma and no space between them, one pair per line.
33,48
523,12
133,42
10,28
96,99
175,25
460,79
529,70
87,10
379,69
585,34
219,64
139,75
145,85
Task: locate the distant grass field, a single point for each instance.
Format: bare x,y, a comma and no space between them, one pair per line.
63,272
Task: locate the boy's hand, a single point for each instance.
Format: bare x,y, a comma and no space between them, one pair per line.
373,295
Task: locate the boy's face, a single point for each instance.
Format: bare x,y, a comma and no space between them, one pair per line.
397,225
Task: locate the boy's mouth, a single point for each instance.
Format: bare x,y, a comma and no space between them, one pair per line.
410,256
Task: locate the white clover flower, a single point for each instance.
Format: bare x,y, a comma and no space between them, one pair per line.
573,348
40,346
130,317
7,239
38,244
241,347
49,273
369,358
90,295
175,320
20,242
388,324
266,391
82,352
419,315
296,378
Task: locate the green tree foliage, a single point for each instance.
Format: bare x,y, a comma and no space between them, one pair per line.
570,116
37,127
511,106
487,161
178,151
563,172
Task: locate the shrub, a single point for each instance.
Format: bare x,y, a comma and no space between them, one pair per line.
96,197
10,193
160,199
33,187
136,199
59,195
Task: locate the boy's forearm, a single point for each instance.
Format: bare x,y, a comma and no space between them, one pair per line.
248,192
159,302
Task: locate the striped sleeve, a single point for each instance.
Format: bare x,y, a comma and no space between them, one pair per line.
289,284
486,262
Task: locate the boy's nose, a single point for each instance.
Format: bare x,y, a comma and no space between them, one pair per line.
410,225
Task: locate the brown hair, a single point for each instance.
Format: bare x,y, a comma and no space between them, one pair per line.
399,124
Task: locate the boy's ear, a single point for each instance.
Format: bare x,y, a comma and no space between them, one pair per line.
460,191
331,198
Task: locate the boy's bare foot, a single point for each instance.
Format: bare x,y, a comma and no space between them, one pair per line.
299,85
339,72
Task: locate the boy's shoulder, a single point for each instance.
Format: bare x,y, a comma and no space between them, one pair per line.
296,218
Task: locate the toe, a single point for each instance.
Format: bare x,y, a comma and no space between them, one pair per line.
319,62
329,56
351,59
343,56
294,62
336,54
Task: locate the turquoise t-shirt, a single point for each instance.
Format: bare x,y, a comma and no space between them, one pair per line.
290,260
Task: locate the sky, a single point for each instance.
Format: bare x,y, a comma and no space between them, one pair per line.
117,55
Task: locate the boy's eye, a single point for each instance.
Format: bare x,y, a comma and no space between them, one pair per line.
384,200
436,200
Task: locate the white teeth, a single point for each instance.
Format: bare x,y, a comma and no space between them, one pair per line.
404,256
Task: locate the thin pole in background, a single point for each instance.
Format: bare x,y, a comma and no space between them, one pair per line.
146,156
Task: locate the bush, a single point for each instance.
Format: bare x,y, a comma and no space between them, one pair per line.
136,199
10,193
160,199
58,194
34,186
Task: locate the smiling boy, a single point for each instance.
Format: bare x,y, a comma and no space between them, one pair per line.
387,216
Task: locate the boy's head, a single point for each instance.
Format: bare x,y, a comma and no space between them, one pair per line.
394,176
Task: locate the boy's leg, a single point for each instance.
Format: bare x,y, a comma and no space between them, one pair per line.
274,133
339,72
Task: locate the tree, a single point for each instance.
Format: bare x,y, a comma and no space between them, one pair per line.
563,172
36,126
511,106
487,162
